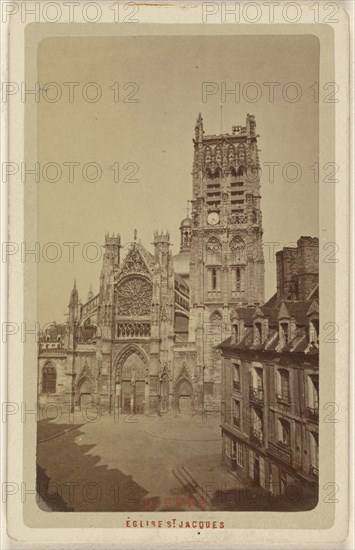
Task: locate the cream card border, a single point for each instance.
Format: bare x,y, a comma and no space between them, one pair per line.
328,522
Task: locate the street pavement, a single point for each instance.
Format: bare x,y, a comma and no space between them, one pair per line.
143,463
124,463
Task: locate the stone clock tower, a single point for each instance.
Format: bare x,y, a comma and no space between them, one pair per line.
226,260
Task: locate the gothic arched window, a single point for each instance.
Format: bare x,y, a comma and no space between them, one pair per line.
214,251
241,153
49,379
208,155
233,172
214,260
214,332
237,248
218,154
240,172
231,154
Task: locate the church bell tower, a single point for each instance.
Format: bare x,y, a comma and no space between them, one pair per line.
226,262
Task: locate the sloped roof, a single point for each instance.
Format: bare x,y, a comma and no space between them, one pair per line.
137,260
273,311
298,310
314,295
181,281
288,308
245,313
148,255
272,302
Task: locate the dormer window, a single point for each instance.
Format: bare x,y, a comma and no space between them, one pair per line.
314,331
236,334
258,333
284,332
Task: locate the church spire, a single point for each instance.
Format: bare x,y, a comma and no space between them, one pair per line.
199,129
90,294
74,304
74,297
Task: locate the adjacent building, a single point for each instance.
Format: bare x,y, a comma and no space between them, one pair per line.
270,397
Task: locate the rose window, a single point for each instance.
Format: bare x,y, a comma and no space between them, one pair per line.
134,297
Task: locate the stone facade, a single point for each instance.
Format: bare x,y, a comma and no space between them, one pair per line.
270,401
119,347
297,269
146,341
227,263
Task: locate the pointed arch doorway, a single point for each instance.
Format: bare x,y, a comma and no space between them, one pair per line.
131,376
84,393
184,395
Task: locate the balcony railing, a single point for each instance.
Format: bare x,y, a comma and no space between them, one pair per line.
313,470
236,421
236,385
281,451
52,351
256,395
282,398
256,437
312,413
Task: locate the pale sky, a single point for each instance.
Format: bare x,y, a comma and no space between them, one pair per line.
156,133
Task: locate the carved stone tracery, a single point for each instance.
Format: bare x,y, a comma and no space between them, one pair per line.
213,244
133,330
134,297
134,263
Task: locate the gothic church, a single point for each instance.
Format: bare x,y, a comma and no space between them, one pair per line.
146,342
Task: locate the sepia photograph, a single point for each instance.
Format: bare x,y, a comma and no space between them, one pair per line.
178,358
176,253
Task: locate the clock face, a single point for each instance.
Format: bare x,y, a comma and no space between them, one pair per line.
213,218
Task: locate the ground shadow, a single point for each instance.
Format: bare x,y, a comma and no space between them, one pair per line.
70,479
297,499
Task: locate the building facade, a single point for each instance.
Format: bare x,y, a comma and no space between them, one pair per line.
270,401
227,264
125,347
145,342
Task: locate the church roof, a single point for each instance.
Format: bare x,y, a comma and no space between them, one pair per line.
138,260
146,254
187,222
53,331
181,263
181,281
